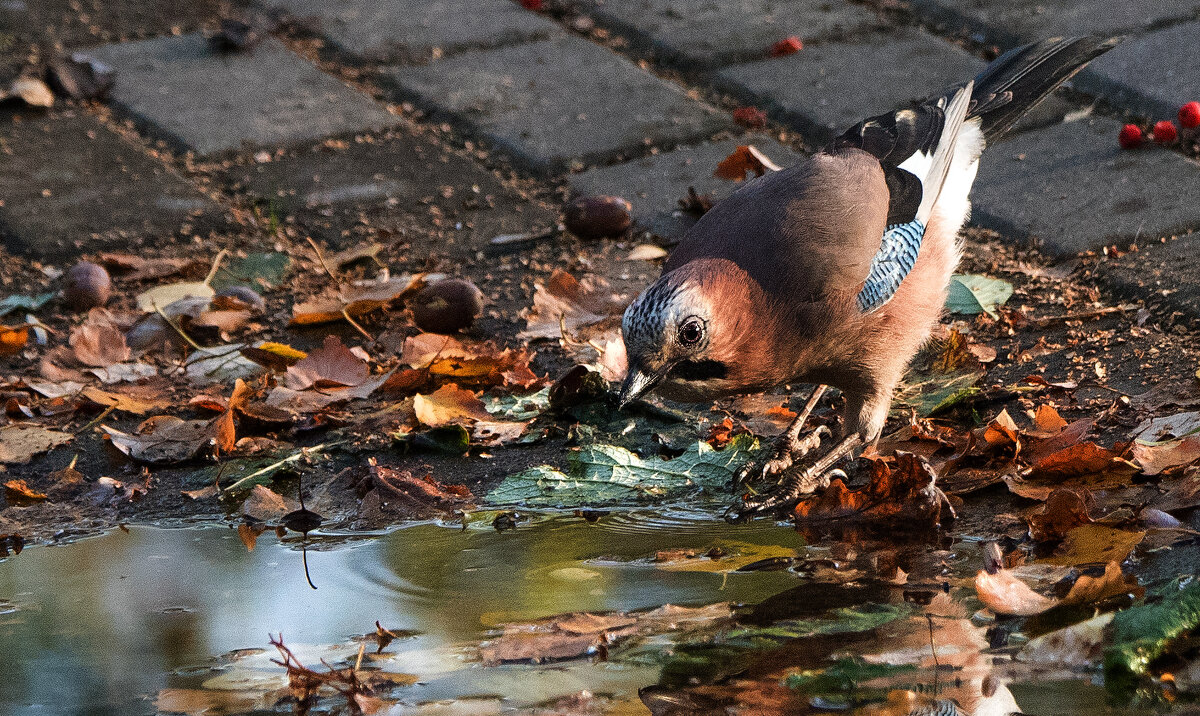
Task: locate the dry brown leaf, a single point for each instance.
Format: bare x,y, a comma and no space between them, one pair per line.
137,268
313,399
583,308
13,339
1095,544
331,366
449,405
746,159
124,403
1047,422
18,492
19,442
1065,509
99,342
1156,458
356,300
901,494
1085,458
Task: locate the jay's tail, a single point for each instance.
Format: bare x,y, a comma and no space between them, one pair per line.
1022,77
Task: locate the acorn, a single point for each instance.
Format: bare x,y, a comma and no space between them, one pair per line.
88,286
447,306
598,217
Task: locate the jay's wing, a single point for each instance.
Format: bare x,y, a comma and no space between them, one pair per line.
915,149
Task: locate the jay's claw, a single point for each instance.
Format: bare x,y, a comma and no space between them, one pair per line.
788,451
795,484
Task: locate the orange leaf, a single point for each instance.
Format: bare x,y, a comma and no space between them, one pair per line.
746,158
17,491
12,340
449,405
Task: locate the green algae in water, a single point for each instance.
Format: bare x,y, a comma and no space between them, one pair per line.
1142,634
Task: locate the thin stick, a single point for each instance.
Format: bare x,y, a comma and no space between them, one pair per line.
295,457
212,272
321,258
178,329
85,428
360,329
304,557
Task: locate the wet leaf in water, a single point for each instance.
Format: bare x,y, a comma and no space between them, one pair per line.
1095,544
602,474
1144,633
733,556
843,676
1077,646
972,294
249,534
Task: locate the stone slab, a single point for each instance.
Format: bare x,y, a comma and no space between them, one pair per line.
1160,274
69,184
712,33
395,170
654,185
825,90
558,102
1152,74
1013,22
382,30
213,103
1073,189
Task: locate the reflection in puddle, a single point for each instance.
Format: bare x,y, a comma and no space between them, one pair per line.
104,624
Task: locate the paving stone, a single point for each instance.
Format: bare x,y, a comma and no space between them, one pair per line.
417,29
213,103
1073,189
555,102
1152,74
655,184
397,170
1012,22
69,183
708,33
827,89
1160,273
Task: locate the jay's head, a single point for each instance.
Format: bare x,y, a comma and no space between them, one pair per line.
683,333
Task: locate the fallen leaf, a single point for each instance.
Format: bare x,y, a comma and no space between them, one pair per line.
264,504
1095,544
123,403
1077,646
1156,458
1064,510
313,399
1085,458
357,300
220,364
388,494
449,405
165,439
972,294
646,252
564,302
332,365
260,271
18,492
13,339
32,92
138,268
99,342
160,297
20,442
903,494
745,159
1047,422
124,372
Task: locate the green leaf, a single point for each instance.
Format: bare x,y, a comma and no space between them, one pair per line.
519,407
1142,634
259,271
845,675
971,294
842,620
605,474
24,303
930,394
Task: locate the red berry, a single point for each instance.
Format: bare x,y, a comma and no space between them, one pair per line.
787,46
1130,137
535,5
1164,132
751,117
1189,115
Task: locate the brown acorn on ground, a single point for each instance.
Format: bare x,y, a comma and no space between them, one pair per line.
447,306
598,217
88,286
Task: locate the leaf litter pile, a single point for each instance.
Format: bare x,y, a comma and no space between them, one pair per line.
1061,427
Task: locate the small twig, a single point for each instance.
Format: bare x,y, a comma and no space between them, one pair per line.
562,329
99,418
1047,320
933,650
177,328
295,457
321,258
352,322
216,265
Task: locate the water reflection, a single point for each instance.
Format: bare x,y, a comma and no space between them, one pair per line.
102,624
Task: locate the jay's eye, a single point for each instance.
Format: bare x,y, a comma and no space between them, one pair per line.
691,332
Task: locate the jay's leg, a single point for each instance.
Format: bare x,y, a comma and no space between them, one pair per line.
789,448
865,417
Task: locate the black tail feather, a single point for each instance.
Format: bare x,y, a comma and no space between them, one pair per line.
1022,77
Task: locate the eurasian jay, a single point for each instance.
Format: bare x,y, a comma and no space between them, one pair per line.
832,272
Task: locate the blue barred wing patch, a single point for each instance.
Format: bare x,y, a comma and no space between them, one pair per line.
896,257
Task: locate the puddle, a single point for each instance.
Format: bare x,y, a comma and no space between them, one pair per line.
103,624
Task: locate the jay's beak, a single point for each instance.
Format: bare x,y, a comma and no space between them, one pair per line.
637,382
